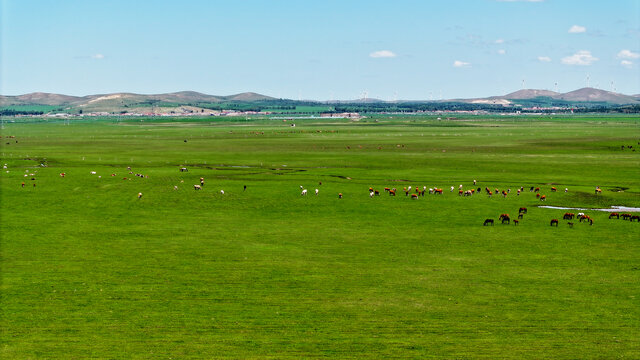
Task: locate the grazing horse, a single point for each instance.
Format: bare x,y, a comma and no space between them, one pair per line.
437,191
504,193
392,193
414,196
584,218
568,216
376,193
635,217
522,210
543,197
570,224
625,216
505,218
520,216
614,214
536,189
538,196
554,221
386,189
487,222
197,187
553,189
516,222
460,192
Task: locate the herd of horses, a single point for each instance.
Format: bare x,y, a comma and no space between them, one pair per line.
582,217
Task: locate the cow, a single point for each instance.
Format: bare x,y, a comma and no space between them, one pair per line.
22,184
197,187
474,183
554,221
522,210
536,189
392,192
568,216
414,196
614,214
438,191
375,192
487,222
504,193
505,218
460,192
304,192
386,189
62,174
553,189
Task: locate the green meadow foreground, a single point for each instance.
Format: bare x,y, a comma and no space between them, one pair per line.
89,270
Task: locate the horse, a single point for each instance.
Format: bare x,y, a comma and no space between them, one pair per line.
516,222
568,216
505,218
522,210
635,217
625,216
614,214
487,222
554,221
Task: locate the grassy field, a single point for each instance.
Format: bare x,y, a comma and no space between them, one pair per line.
88,270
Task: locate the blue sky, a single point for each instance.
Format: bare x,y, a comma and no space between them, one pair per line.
319,49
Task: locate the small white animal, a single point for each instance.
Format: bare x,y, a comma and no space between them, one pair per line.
316,191
304,192
222,192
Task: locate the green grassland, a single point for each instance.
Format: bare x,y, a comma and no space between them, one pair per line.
88,270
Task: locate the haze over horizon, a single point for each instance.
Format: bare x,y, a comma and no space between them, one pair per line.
320,51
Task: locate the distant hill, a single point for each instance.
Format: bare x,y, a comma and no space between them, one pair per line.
530,94
192,101
584,95
597,95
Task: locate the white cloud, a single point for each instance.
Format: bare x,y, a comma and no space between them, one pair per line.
459,63
97,56
502,51
499,41
626,63
576,29
382,54
628,54
582,57
544,59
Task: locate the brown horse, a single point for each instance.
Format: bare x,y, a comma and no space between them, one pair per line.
487,222
554,221
614,214
505,218
568,216
635,217
522,210
625,216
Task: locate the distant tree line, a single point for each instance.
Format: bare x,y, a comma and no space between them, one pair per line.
10,112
